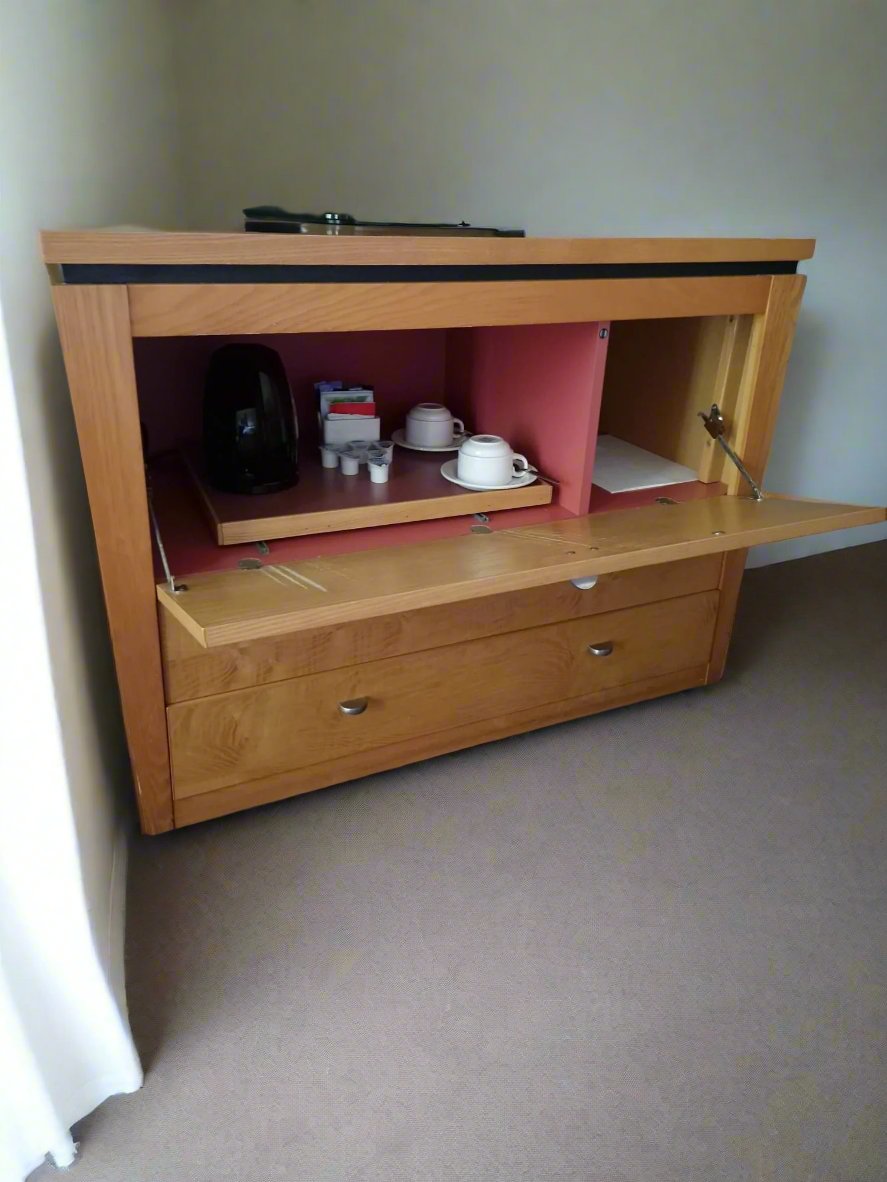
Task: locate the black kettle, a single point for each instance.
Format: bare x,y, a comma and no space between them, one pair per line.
250,429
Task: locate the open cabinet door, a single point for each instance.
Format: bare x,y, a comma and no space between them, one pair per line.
225,608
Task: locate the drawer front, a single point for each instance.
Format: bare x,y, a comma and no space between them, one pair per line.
192,671
224,740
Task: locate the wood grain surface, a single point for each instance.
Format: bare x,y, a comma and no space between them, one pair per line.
204,806
224,608
158,247
772,334
219,741
94,328
729,587
662,373
221,309
755,372
325,501
192,671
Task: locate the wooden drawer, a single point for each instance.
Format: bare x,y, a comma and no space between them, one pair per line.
192,671
219,741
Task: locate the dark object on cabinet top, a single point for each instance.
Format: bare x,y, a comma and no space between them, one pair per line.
271,219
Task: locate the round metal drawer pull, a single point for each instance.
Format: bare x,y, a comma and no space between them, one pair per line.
601,650
353,706
584,583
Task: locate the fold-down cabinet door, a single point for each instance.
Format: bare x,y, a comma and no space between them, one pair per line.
224,608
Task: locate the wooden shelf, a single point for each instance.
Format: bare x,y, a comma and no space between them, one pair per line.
324,501
191,547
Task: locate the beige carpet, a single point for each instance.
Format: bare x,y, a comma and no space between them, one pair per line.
641,947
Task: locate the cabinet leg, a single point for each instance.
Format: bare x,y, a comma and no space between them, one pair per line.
731,580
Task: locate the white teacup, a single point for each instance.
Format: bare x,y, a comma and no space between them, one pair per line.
489,460
431,425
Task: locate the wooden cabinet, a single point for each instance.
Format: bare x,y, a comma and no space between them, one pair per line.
348,648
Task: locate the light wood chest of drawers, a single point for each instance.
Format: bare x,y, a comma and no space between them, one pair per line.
245,686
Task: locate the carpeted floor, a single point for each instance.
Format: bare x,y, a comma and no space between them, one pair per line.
641,947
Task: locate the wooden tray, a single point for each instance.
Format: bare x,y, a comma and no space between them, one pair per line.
325,501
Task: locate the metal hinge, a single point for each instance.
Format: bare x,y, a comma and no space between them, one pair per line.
174,587
716,427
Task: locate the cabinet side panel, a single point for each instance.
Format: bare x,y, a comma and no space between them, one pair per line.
725,392
772,333
660,374
540,386
95,332
760,389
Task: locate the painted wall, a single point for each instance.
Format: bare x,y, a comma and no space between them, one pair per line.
575,117
87,137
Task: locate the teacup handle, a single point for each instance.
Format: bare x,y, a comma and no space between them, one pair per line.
521,464
458,427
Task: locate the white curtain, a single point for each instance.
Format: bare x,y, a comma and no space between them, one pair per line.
64,1045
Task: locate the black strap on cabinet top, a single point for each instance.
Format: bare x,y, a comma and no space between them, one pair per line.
127,273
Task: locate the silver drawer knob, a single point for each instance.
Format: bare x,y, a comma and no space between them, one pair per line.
585,583
353,706
601,650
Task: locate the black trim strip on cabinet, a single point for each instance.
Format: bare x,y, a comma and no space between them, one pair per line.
126,273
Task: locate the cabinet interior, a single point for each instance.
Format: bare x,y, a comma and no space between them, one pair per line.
662,373
551,390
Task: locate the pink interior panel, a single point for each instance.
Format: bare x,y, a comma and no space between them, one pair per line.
404,367
457,376
539,386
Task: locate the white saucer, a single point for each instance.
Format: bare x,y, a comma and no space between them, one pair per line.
401,441
448,471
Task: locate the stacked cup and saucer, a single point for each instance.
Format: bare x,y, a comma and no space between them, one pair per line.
484,462
431,427
487,462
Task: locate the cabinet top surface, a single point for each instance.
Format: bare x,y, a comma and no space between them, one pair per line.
171,248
